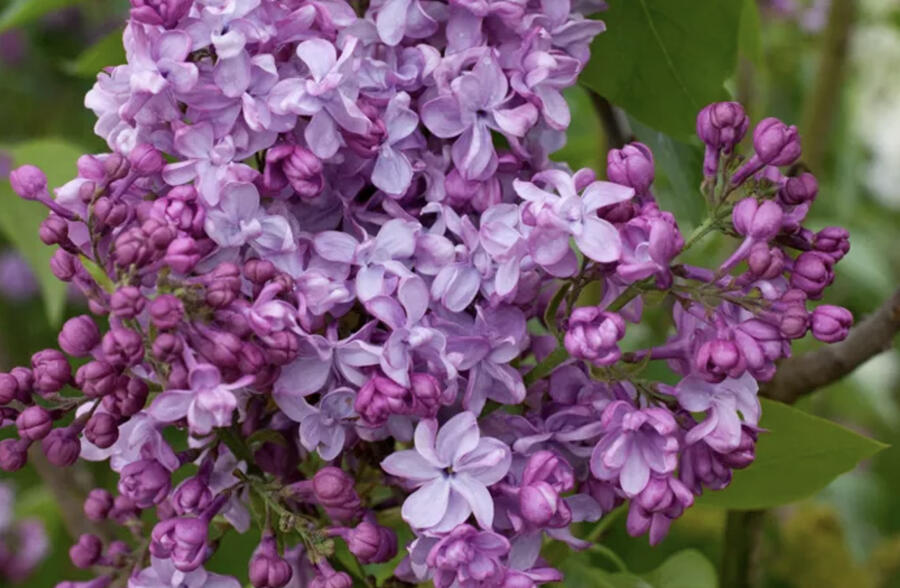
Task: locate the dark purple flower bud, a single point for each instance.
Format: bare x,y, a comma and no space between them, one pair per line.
13,454
371,543
34,423
86,551
98,504
719,359
594,334
102,429
295,166
427,395
794,321
62,447
122,347
167,347
145,482
760,221
54,231
51,371
632,165
127,302
129,396
267,568
259,271
282,347
62,264
79,336
164,13
87,191
146,160
812,273
333,489
191,497
181,539
832,241
379,398
223,286
108,213
9,388
123,510
830,323
765,263
721,126
28,181
662,501
539,503
219,347
166,311
251,359
159,234
745,454
96,379
132,248
183,254
25,379
799,190
775,142
328,578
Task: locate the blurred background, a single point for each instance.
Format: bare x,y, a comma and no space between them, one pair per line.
829,66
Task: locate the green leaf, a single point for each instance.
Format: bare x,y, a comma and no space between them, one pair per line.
22,12
798,456
750,35
664,60
685,569
105,52
584,146
22,219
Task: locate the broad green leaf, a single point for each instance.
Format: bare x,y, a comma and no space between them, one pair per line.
22,12
664,60
584,139
679,169
685,569
105,52
798,456
21,219
749,35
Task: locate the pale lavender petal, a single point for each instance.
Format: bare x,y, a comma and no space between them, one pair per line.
457,437
410,465
477,496
426,506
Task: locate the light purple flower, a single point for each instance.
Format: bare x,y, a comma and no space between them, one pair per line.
468,557
393,172
476,104
204,157
636,442
452,469
162,574
396,19
727,404
239,220
323,428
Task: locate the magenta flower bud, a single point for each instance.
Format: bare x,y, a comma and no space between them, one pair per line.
51,371
765,263
480,194
79,336
25,378
86,551
181,539
832,241
164,13
167,347
775,142
108,213
122,347
295,166
146,160
34,423
9,388
13,454
127,302
794,321
54,231
331,579
61,446
379,398
183,254
123,510
128,399
96,379
98,504
427,395
812,273
721,126
28,181
191,497
632,165
132,248
759,221
799,190
267,568
718,359
282,347
159,233
102,429
333,489
145,482
166,311
62,264
87,191
115,166
830,324
594,334
259,271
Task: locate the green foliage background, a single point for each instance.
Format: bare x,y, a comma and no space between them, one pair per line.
660,61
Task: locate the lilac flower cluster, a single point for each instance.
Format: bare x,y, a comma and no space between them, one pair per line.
327,243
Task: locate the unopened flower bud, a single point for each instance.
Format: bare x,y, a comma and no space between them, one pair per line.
631,166
54,231
102,429
164,13
51,371
13,454
98,504
146,160
34,423
594,334
28,181
122,347
127,302
79,336
61,447
267,568
831,323
799,190
812,273
760,221
86,551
